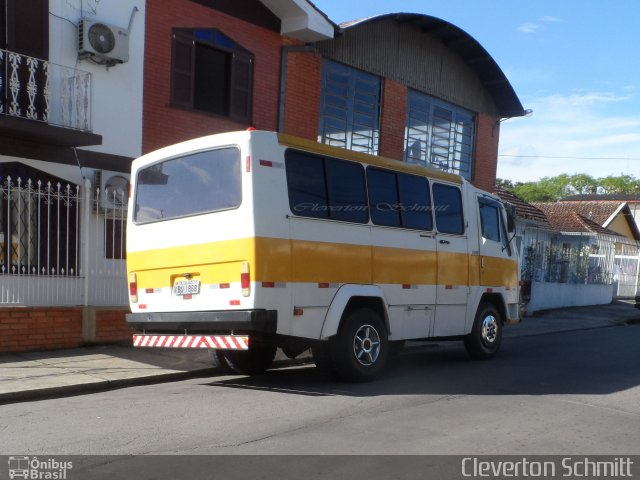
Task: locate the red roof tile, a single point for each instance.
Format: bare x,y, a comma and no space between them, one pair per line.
524,209
598,211
565,217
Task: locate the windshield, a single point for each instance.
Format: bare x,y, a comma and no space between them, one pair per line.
191,185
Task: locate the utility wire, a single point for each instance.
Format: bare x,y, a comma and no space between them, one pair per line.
568,158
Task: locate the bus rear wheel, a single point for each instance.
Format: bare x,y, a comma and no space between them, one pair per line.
256,360
359,352
486,334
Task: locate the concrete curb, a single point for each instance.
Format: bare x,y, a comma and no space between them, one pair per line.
106,385
98,386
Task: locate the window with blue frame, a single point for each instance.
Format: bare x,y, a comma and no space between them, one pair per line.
439,134
349,108
211,73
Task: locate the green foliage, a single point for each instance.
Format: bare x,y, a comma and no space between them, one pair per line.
552,189
584,184
625,184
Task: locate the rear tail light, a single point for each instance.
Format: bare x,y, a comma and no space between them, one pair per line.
133,287
245,279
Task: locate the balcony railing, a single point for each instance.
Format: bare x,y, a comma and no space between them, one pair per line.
39,90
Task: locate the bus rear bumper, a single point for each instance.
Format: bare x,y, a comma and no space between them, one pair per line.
228,321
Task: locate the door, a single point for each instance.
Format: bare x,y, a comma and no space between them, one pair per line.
24,29
452,246
496,269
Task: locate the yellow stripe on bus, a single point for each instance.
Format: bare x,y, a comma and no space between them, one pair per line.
284,260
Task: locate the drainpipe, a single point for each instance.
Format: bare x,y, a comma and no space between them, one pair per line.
84,245
286,49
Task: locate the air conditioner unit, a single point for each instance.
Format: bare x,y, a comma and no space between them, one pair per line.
113,194
102,42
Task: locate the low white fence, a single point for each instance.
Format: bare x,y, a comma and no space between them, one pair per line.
564,269
626,273
61,244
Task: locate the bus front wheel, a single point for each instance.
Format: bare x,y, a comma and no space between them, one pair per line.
359,352
486,334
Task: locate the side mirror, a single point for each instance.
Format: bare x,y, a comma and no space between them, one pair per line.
511,217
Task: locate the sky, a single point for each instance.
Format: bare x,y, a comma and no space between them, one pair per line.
574,63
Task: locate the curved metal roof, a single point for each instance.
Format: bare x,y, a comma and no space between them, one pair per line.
472,53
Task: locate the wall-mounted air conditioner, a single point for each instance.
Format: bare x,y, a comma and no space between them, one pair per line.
102,42
112,192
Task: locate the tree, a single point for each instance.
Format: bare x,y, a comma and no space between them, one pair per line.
506,184
552,189
624,184
547,189
583,184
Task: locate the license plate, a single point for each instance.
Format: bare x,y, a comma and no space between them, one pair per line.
189,287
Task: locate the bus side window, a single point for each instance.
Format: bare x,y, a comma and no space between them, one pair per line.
383,197
415,201
399,199
347,191
306,184
329,188
489,220
447,202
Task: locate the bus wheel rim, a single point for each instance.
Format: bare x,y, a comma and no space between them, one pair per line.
366,345
489,329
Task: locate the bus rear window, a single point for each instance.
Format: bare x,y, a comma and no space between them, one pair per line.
191,185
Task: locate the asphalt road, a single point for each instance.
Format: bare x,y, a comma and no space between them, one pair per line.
566,393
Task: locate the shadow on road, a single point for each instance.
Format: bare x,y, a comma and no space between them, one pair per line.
598,361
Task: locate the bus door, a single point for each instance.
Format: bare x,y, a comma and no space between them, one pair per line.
494,245
452,246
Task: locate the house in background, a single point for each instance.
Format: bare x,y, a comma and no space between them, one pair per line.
614,216
632,201
574,253
410,87
71,87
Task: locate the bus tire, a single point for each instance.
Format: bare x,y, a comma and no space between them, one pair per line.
250,362
486,334
360,349
219,361
322,358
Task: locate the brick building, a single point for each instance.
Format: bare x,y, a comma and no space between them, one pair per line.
407,86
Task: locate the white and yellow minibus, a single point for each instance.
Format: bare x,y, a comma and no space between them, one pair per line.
247,241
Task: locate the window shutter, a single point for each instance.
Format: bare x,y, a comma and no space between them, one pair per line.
27,27
335,107
182,70
350,114
241,87
442,122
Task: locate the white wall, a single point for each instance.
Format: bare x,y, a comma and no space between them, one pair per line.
116,103
558,295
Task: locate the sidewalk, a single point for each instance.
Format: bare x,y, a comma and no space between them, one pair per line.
28,376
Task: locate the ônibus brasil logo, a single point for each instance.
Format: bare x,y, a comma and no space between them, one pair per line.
34,468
